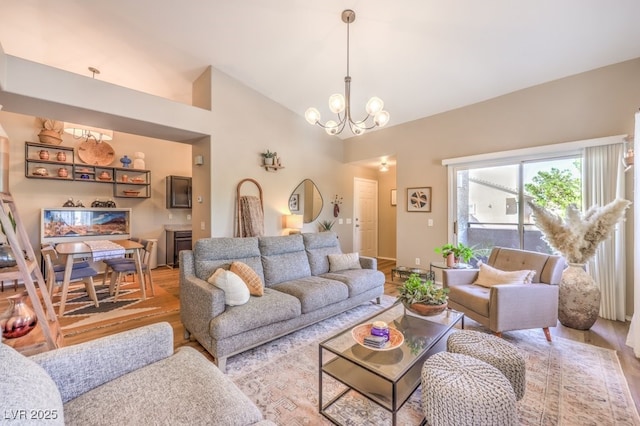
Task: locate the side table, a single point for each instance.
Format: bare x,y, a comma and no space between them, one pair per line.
403,272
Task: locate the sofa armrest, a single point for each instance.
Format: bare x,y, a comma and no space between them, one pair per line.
453,277
368,262
79,368
508,310
200,301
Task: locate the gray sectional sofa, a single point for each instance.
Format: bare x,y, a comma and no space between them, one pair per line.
299,289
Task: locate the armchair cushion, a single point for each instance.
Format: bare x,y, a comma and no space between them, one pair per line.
489,276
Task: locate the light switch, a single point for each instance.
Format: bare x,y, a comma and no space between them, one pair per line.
430,222
188,217
200,198
348,221
202,226
340,221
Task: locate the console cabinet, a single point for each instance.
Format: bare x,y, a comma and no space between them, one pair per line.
43,161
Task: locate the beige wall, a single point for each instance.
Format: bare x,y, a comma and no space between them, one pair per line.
246,124
598,103
149,215
386,214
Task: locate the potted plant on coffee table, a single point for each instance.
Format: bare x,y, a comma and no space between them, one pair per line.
422,297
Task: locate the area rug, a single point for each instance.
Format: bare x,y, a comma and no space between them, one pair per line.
82,315
568,383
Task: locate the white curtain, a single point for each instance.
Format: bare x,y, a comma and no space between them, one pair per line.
633,338
603,182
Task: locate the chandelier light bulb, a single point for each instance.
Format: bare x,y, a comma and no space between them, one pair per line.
358,128
336,103
331,128
312,115
384,167
381,118
374,105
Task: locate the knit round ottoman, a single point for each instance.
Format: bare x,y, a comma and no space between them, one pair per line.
460,390
492,350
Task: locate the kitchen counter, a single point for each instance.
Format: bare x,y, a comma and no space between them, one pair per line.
177,227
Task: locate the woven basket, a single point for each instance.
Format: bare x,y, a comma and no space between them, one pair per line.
50,137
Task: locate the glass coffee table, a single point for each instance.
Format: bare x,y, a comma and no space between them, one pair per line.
386,377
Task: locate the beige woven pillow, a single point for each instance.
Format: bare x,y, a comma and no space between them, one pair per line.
489,276
342,262
235,291
249,276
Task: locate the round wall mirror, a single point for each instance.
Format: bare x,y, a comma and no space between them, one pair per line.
306,200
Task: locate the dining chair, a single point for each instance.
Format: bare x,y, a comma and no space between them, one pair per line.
81,271
127,266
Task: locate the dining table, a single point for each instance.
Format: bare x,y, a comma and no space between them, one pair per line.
83,249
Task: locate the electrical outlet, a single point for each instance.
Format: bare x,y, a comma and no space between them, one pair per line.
188,217
340,221
417,261
170,216
202,227
430,222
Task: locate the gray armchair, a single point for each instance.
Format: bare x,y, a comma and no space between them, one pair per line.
133,377
507,307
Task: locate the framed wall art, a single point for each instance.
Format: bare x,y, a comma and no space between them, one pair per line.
419,199
294,200
393,197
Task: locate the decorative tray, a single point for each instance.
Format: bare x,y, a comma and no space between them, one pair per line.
131,193
361,331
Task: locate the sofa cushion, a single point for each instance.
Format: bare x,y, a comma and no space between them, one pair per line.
249,276
489,276
344,262
283,259
26,389
358,280
210,254
319,246
199,394
235,290
272,307
472,297
314,292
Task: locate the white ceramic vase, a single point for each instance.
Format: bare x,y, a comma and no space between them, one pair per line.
579,299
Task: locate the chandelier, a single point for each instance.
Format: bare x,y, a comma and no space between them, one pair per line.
341,104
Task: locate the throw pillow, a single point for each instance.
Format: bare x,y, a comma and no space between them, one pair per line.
344,261
235,290
249,276
489,276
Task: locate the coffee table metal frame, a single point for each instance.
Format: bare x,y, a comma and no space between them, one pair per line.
403,272
387,378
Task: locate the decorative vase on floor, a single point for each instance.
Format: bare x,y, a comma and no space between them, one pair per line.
579,299
19,319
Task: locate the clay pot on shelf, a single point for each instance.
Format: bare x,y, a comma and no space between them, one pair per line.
104,176
62,172
43,154
61,156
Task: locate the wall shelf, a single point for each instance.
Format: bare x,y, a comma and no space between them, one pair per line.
122,178
270,168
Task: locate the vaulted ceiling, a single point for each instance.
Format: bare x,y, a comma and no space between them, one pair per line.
422,57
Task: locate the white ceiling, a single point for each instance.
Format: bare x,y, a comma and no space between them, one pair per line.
422,57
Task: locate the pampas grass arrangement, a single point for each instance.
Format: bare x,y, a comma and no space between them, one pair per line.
577,236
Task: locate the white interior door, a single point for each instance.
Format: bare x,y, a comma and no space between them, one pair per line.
365,221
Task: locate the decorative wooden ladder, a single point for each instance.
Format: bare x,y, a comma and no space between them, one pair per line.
25,270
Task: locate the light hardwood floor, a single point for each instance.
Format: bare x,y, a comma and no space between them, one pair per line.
605,333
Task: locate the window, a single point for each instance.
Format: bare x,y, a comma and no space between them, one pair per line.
491,199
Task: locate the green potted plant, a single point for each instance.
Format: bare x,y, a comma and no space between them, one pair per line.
422,297
269,157
455,254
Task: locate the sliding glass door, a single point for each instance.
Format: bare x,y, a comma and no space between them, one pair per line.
491,200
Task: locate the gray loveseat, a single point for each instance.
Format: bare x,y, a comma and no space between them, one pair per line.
299,289
130,378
